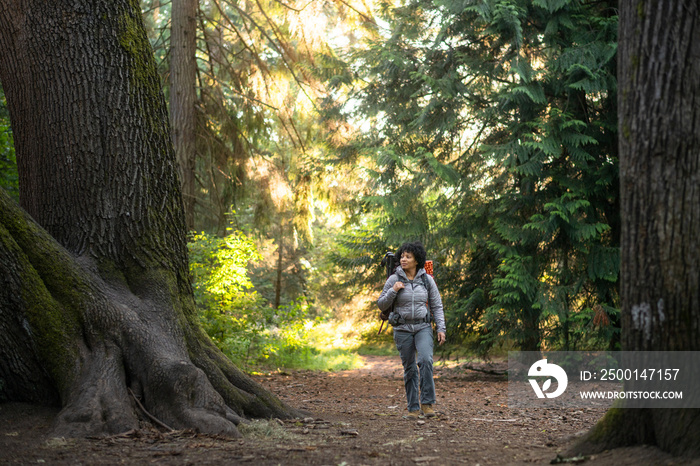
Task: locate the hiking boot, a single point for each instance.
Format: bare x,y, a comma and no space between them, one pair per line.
428,411
412,415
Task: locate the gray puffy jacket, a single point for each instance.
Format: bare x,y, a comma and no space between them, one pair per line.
411,301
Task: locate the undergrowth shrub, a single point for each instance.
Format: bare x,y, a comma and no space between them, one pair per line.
246,327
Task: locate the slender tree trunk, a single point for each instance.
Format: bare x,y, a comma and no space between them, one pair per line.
95,302
280,256
183,97
659,109
531,339
221,137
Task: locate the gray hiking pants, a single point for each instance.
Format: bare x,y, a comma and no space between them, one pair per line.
417,348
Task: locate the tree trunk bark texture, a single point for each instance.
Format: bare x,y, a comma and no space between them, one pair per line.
183,75
96,302
659,110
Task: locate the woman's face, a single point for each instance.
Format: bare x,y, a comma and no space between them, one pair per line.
408,261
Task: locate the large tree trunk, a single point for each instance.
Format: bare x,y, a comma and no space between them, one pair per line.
95,299
659,109
183,97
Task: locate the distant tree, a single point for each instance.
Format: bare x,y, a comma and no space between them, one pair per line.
659,112
96,306
183,97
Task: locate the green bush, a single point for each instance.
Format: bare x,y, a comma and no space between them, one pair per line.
230,311
243,325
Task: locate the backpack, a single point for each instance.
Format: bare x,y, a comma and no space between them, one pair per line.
389,261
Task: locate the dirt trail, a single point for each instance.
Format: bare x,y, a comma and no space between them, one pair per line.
355,418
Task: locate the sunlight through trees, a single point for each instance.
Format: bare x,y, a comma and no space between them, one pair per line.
328,132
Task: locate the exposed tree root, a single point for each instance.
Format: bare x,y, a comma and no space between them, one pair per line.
672,430
111,351
149,415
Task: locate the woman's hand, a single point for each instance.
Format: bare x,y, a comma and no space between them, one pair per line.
441,338
398,286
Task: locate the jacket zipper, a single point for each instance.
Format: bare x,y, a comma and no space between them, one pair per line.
413,303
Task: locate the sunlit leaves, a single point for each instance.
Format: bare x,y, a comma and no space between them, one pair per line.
219,269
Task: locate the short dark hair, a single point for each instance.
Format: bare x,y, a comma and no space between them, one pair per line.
416,248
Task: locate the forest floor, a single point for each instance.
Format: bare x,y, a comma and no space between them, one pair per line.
354,418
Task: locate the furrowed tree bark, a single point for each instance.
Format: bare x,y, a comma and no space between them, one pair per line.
95,296
659,110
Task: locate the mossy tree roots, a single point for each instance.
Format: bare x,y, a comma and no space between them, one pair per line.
97,347
672,430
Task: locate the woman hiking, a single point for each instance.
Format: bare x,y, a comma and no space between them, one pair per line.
412,290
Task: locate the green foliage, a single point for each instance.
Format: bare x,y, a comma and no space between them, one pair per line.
493,140
243,325
230,312
9,179
218,266
301,342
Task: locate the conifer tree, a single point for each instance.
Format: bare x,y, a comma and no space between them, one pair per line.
493,139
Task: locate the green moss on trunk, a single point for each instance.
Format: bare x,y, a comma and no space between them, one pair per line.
51,290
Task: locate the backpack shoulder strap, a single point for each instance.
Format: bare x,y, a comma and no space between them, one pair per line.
426,284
